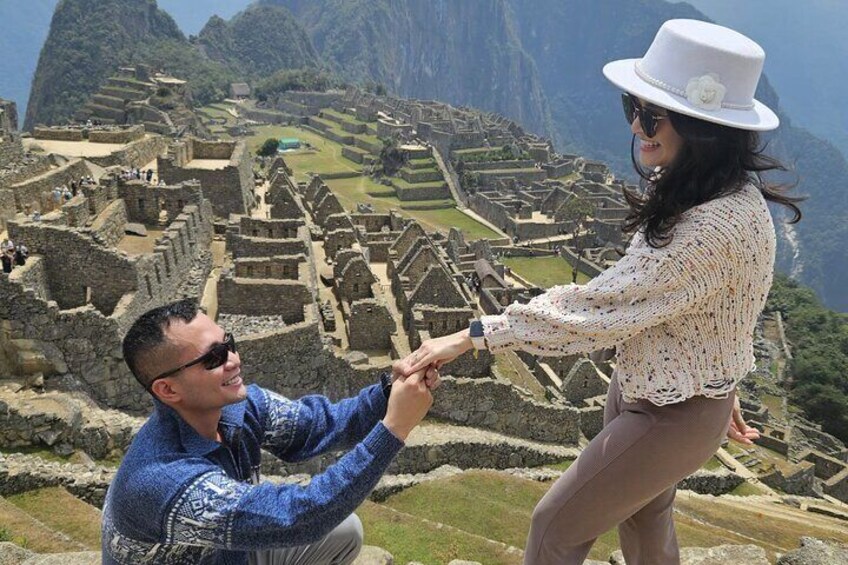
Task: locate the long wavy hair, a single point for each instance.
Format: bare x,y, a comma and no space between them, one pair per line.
712,162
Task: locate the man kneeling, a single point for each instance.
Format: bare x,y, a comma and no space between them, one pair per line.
188,489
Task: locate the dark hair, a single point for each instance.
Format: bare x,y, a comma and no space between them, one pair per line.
147,333
713,161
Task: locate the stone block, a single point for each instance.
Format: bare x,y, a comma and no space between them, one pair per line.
371,555
11,554
719,555
815,552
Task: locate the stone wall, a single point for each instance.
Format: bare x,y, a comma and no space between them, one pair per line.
137,154
21,473
37,192
263,297
108,228
77,338
230,189
711,482
288,267
370,325
58,133
263,247
826,466
144,202
798,480
116,135
498,406
33,276
837,486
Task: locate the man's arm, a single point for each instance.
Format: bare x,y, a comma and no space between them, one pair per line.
295,430
215,510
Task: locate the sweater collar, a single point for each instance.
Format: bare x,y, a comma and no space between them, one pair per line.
232,419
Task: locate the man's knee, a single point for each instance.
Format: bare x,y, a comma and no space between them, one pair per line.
348,538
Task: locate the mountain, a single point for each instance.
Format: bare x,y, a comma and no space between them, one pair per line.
539,62
88,40
806,60
460,52
192,15
258,41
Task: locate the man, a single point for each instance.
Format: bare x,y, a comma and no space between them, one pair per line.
188,490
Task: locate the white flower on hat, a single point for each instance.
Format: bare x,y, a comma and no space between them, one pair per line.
705,92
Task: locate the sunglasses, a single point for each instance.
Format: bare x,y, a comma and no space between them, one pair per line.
212,359
648,118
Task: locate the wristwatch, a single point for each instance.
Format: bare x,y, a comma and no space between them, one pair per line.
386,383
478,338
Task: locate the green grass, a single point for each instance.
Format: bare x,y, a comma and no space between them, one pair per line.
443,220
408,538
499,507
561,466
543,271
713,464
747,489
774,405
325,157
60,510
403,185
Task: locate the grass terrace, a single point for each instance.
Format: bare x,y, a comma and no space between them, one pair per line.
480,507
544,272
325,156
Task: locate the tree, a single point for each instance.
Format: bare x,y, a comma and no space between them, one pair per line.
269,148
392,157
575,211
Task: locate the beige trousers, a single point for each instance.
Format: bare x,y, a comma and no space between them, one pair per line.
626,477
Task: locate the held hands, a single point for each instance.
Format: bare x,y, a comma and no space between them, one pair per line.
434,352
409,402
739,431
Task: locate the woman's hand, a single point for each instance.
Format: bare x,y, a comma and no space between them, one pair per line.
739,431
435,352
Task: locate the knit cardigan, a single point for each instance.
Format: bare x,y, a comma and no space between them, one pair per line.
682,316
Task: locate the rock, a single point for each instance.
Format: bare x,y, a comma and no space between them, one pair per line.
63,449
11,554
461,562
815,552
81,558
371,555
719,555
135,229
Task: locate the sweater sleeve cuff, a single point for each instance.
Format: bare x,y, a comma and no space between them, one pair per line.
378,400
499,334
382,444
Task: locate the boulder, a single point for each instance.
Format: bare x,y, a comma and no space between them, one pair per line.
719,555
815,552
371,555
11,554
135,229
80,558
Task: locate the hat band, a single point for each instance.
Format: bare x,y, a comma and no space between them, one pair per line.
678,91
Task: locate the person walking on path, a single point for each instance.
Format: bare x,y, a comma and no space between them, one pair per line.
680,307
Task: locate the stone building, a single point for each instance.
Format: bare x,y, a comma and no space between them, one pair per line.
224,169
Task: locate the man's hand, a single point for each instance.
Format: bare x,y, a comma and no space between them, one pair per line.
435,352
432,378
739,431
409,402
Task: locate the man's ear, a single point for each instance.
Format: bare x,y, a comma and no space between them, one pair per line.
163,390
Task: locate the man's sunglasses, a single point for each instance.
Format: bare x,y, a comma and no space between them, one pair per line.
212,359
648,118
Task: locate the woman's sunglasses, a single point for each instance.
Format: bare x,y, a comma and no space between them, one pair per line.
648,118
212,359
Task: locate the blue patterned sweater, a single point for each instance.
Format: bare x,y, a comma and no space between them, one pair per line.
179,498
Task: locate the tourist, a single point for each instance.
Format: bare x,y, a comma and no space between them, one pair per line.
21,254
36,216
7,260
67,194
149,175
188,488
680,307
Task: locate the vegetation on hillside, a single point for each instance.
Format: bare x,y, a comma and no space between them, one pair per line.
258,41
88,41
286,80
819,367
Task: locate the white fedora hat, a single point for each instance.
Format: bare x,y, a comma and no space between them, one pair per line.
701,70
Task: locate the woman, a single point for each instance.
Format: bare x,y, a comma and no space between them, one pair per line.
680,306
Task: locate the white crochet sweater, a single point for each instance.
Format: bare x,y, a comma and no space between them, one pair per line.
682,317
